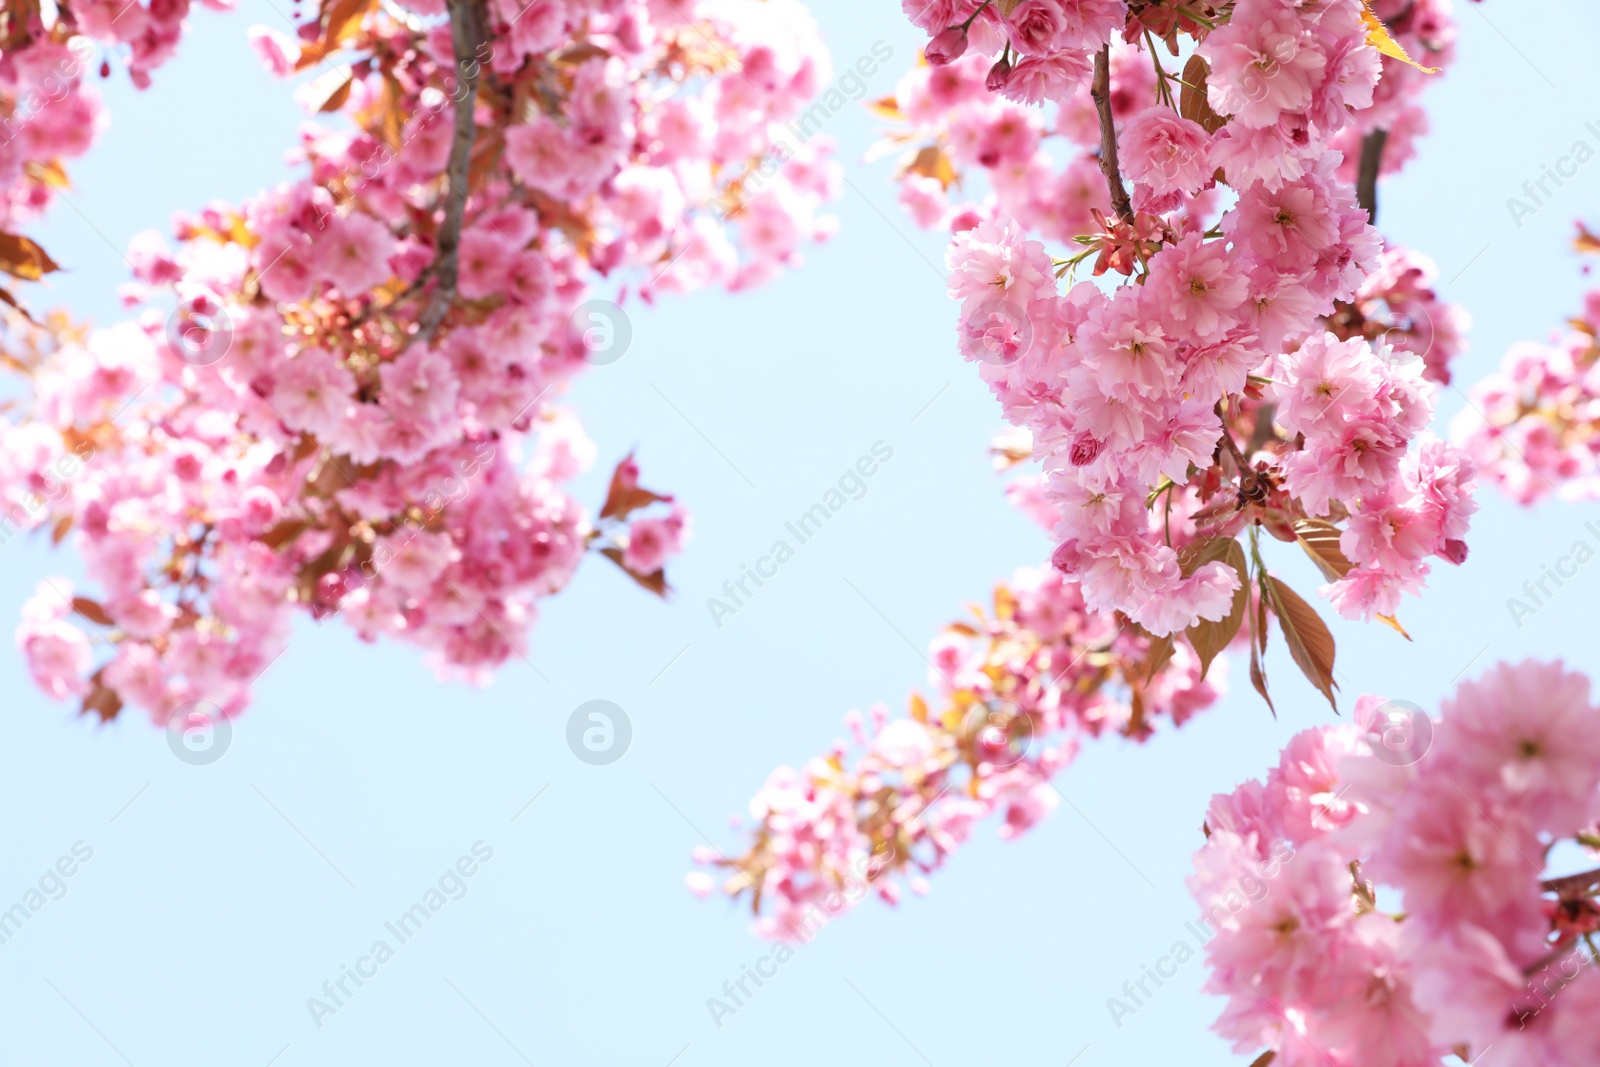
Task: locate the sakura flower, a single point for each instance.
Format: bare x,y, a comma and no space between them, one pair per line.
1261,65
1202,288
312,391
354,253
1527,730
652,541
993,260
56,651
1165,152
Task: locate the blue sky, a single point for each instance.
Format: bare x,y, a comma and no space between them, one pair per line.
219,898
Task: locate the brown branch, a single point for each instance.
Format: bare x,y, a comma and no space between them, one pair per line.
1250,486
374,308
1367,175
1578,883
1227,440
1100,90
1561,948
466,37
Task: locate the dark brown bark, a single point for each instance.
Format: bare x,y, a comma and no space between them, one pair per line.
1100,90
1367,175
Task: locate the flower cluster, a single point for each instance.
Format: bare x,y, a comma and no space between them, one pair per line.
1398,307
1142,394
1012,695
1425,29
1481,954
350,411
49,114
1285,95
1534,426
1265,361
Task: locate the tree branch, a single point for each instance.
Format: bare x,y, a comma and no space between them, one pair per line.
1100,90
1250,487
1572,883
1367,175
466,37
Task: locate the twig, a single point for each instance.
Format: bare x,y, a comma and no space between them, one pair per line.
967,25
1100,90
409,291
1579,883
1228,441
1163,94
1250,488
1367,175
465,38
1558,950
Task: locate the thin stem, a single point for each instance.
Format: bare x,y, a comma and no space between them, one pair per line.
1249,480
1163,94
1558,950
967,25
1233,449
1100,90
1066,265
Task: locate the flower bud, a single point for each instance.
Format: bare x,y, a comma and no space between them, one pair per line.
1085,449
998,75
947,46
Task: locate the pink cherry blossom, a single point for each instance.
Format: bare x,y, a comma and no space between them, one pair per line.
1141,393
357,409
1435,933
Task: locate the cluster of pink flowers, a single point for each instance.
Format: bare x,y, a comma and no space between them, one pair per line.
48,112
351,409
1383,899
1397,306
1290,95
1260,363
1012,695
1534,426
1425,30
1281,321
49,115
